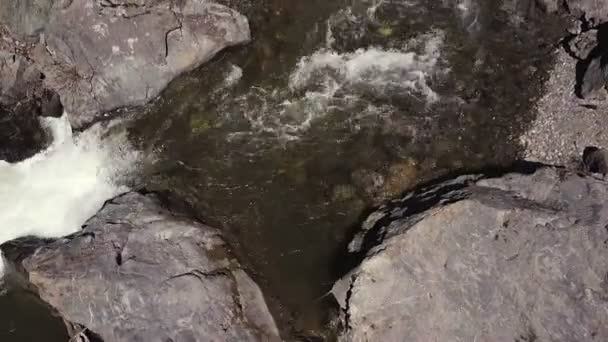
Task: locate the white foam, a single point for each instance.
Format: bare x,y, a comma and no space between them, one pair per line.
328,80
407,72
234,75
53,193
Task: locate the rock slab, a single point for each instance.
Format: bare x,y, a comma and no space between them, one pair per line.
102,55
523,257
23,98
138,273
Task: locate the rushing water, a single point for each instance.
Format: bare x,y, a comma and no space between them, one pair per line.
333,108
51,195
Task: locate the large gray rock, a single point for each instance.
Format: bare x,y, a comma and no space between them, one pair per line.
23,98
138,273
25,18
102,55
516,258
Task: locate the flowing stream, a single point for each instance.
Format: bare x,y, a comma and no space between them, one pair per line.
287,142
336,106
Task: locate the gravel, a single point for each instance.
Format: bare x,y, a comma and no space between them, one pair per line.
564,126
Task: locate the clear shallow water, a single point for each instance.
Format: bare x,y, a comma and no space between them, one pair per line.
335,107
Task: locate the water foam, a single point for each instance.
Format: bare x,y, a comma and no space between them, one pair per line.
329,80
53,193
234,76
379,69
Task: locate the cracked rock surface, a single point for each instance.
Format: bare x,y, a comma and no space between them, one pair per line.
523,257
101,55
138,273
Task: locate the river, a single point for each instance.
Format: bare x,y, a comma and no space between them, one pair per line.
336,106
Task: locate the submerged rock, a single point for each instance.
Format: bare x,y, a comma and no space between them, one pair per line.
138,273
518,258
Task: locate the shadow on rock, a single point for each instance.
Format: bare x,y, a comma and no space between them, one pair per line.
372,232
591,71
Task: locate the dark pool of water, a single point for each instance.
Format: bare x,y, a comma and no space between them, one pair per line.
25,318
288,198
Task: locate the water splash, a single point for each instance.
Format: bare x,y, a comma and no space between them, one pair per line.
233,76
328,81
376,69
54,192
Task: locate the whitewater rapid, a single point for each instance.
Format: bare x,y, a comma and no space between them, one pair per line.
329,80
53,193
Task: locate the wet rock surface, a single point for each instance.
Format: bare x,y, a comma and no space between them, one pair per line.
138,273
520,257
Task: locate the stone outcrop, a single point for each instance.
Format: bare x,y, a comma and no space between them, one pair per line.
138,273
522,257
103,55
23,97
